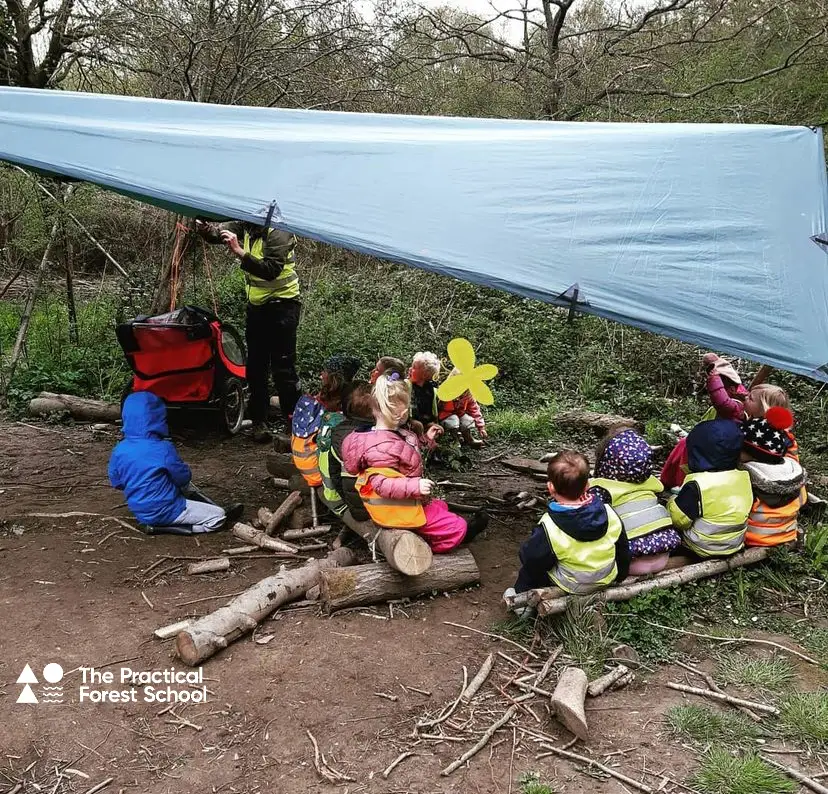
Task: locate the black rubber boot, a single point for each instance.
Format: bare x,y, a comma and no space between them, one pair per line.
476,524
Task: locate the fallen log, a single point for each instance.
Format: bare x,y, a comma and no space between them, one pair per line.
291,502
208,635
47,404
602,684
568,702
361,585
690,573
306,532
594,420
525,465
404,551
256,537
209,566
280,464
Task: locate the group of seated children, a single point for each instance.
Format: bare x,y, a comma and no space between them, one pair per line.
362,442
735,480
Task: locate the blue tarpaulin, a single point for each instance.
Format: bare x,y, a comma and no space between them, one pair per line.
702,232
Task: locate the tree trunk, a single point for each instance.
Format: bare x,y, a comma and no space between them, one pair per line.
208,635
23,330
68,267
361,585
404,551
690,573
47,403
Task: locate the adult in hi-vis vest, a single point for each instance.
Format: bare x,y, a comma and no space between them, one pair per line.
267,257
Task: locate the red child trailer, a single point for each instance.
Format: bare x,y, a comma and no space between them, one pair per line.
190,359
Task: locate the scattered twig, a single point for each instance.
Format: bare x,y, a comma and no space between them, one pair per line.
102,785
730,640
396,762
484,740
479,679
708,679
796,775
494,636
447,712
605,769
602,684
392,698
323,768
424,692
149,603
709,693
181,721
553,657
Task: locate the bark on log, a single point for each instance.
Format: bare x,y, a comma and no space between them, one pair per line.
258,538
306,532
280,464
291,502
361,585
689,573
209,566
525,465
602,684
404,551
215,631
568,702
48,404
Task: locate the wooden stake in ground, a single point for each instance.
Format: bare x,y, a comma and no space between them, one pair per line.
568,701
602,684
376,582
689,573
291,502
404,551
722,697
48,404
209,566
208,635
257,537
582,759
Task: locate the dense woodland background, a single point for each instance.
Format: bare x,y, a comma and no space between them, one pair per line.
751,61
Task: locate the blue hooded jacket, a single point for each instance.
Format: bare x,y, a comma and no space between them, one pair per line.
145,465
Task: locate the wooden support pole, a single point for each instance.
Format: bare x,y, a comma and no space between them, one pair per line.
208,635
360,585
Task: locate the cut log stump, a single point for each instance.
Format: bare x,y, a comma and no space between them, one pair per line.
374,583
208,635
404,551
48,404
568,701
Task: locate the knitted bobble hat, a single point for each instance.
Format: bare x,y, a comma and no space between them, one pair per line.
767,436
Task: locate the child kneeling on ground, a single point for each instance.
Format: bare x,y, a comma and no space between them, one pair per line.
462,415
623,478
580,544
389,466
156,482
777,478
712,507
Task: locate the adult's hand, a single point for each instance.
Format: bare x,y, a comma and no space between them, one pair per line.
232,242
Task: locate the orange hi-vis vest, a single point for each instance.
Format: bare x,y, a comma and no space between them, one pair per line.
392,513
306,459
773,526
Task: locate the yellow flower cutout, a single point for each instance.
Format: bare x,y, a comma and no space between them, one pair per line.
469,376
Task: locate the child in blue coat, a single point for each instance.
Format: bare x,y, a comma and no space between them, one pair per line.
156,482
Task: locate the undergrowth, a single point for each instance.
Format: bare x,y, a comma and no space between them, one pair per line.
773,672
804,717
531,783
706,726
723,773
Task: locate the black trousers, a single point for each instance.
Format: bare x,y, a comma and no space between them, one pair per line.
271,350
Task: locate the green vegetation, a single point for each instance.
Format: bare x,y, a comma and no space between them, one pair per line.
530,783
773,672
584,637
706,726
723,773
804,717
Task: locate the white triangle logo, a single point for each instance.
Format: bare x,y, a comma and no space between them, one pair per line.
27,696
27,677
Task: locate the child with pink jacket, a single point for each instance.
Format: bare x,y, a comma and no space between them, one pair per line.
390,468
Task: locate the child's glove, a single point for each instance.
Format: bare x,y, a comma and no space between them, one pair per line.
426,486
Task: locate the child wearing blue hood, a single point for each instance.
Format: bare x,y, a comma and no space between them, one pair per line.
713,505
147,467
580,544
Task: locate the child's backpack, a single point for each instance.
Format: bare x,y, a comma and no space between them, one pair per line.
307,419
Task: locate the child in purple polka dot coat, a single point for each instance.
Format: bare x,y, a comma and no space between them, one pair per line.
624,479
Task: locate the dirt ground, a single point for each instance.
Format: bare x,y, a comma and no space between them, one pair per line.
76,591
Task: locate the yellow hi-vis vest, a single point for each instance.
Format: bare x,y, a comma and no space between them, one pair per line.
332,498
636,505
726,500
583,566
392,513
260,290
